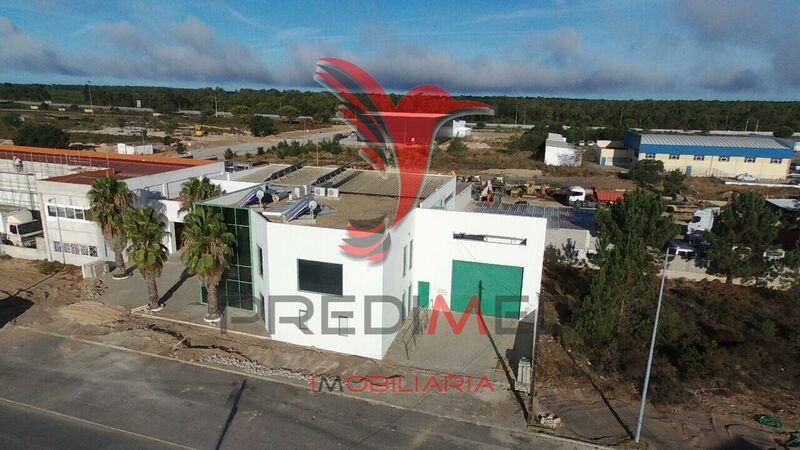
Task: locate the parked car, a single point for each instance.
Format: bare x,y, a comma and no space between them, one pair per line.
746,177
683,249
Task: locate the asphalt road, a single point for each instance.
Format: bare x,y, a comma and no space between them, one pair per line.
61,393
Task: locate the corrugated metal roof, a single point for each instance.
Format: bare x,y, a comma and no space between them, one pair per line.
303,176
790,204
557,217
369,182
711,141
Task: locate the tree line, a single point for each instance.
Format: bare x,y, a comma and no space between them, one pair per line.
614,318
581,113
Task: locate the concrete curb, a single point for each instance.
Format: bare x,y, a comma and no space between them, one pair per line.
140,311
575,442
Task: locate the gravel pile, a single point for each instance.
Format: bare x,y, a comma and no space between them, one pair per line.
255,368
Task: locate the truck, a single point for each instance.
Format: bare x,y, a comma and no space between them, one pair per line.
702,220
19,228
598,198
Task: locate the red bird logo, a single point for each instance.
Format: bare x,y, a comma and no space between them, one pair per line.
401,135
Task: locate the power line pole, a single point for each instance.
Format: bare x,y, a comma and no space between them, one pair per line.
652,348
533,363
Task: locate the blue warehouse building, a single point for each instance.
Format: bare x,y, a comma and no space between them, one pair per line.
722,156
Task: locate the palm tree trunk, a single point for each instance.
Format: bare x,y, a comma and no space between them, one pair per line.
152,292
213,301
119,262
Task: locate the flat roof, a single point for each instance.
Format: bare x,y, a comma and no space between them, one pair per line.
557,217
370,182
717,145
98,164
790,204
258,175
303,176
711,141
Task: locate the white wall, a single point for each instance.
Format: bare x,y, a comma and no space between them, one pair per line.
76,231
462,199
397,282
442,198
559,156
169,183
435,249
286,244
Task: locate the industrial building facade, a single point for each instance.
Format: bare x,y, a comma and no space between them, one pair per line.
55,184
720,156
289,267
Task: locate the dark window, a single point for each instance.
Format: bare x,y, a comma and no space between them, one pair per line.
12,229
260,261
30,227
51,211
321,277
242,217
243,245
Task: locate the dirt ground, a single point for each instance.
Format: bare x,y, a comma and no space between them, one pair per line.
594,406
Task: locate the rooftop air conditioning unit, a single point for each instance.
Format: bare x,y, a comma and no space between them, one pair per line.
298,192
333,192
319,191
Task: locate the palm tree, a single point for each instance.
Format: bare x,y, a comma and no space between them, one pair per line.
145,228
110,200
197,190
207,250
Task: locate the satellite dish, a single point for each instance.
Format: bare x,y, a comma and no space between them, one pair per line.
260,196
312,207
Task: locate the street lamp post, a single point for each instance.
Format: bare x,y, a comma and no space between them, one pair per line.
52,201
91,103
652,347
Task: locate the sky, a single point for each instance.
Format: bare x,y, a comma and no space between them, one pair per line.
681,49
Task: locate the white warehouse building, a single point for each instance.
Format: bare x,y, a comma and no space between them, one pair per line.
55,184
296,275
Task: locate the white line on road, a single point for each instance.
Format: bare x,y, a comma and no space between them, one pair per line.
95,424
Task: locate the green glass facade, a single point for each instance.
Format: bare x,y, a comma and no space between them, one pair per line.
236,287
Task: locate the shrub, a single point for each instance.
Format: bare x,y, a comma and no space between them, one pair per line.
46,267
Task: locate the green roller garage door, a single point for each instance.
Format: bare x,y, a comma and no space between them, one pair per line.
498,287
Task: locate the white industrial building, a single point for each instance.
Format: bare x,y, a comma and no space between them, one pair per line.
55,183
295,253
557,152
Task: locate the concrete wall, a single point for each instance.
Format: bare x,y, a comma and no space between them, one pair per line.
442,198
72,231
462,200
616,157
398,275
435,248
286,244
583,240
39,252
712,166
168,184
560,156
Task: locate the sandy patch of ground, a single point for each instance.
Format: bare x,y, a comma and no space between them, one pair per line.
91,313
